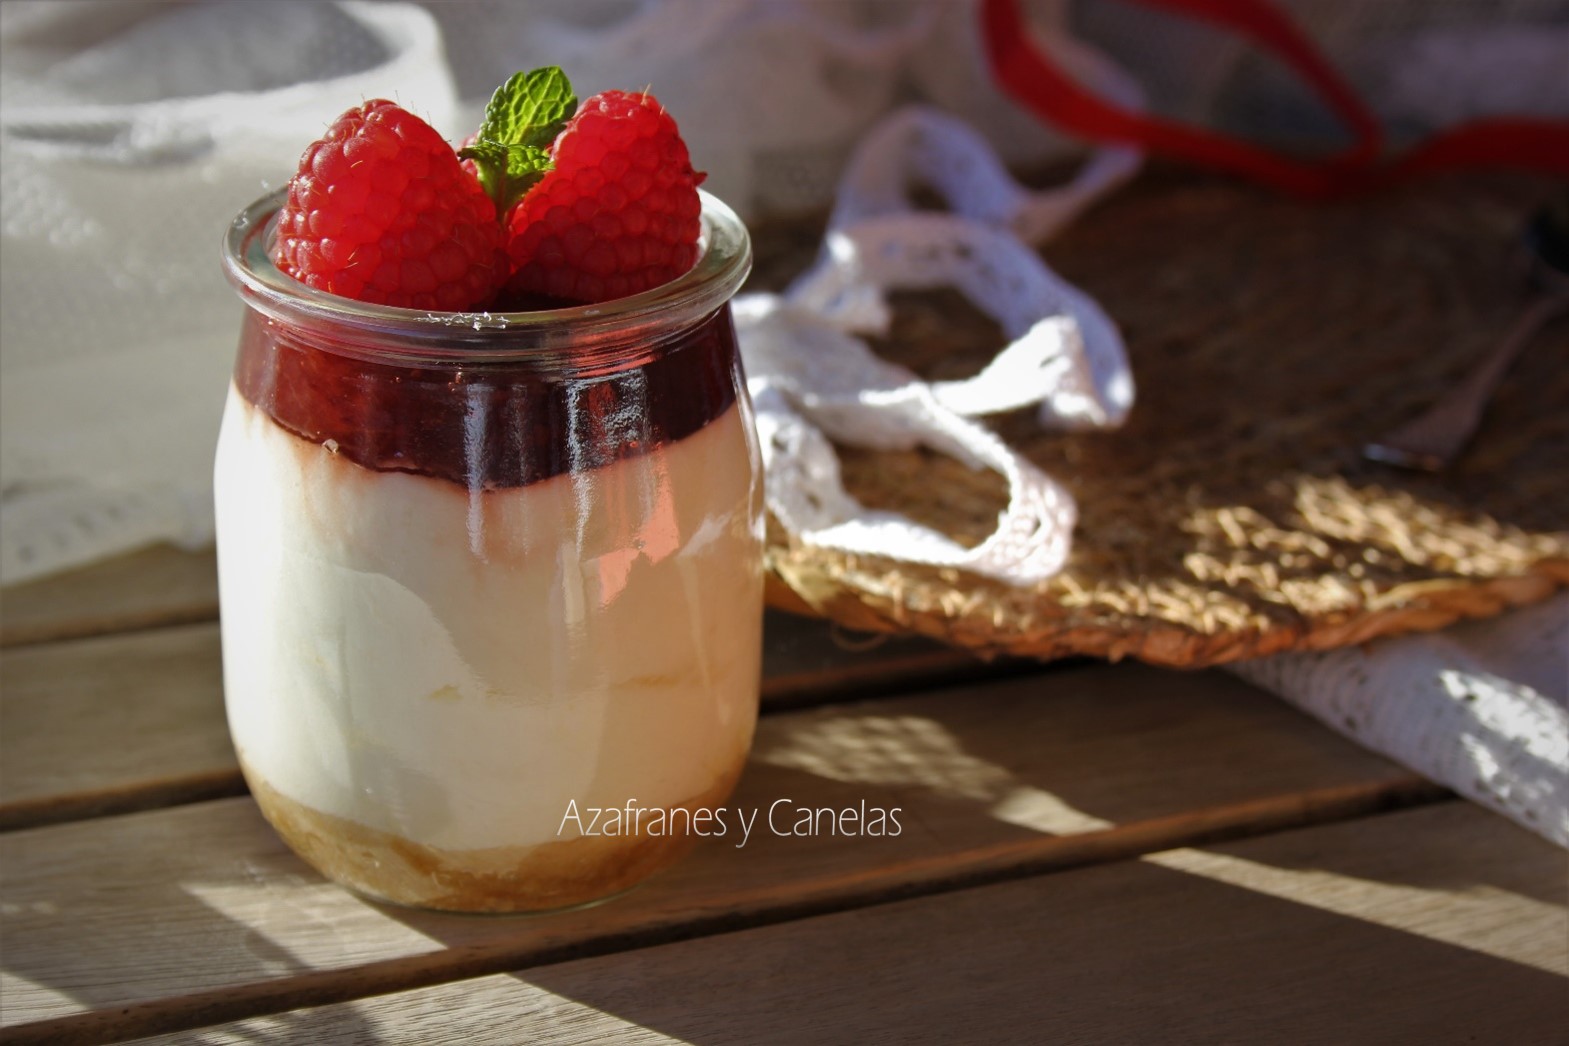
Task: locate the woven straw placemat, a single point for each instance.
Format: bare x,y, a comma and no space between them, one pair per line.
1233,515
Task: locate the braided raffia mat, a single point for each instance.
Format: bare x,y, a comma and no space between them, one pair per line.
1233,515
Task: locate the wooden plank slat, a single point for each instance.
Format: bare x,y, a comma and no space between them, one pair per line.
198,914
161,585
809,661
1440,925
111,724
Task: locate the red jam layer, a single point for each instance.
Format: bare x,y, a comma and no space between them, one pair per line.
491,425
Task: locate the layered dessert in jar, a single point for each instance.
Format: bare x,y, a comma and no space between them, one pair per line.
488,503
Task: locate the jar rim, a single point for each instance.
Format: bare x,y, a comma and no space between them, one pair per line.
430,336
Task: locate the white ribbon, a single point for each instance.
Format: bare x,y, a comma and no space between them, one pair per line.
813,382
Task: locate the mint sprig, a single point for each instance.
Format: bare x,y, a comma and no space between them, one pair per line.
522,119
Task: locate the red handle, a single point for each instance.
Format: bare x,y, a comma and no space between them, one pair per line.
1037,83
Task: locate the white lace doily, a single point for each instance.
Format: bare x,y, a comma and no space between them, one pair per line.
1482,707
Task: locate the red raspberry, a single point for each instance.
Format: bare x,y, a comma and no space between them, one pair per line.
381,211
617,214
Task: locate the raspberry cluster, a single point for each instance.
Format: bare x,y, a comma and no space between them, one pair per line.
383,210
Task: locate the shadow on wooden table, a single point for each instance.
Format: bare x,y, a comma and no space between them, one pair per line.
1224,944
995,784
1326,934
1123,953
117,916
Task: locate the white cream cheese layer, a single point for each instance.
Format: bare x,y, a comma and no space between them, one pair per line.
456,667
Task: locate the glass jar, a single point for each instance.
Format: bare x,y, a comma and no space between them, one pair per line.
487,577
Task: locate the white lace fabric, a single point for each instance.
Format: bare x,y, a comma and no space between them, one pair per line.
813,382
1482,707
130,134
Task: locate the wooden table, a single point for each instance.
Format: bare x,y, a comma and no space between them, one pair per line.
1091,853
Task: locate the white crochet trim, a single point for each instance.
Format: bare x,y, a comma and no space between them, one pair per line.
813,382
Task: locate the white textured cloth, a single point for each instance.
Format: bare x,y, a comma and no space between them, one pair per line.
1482,707
121,165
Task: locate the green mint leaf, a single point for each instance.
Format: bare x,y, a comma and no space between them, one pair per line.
507,172
526,165
490,160
522,120
530,108
524,160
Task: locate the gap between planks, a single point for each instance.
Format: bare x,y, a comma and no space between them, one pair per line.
200,915
151,588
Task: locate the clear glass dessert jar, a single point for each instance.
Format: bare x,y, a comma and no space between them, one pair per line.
484,574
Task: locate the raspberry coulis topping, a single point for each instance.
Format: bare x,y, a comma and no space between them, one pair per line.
489,427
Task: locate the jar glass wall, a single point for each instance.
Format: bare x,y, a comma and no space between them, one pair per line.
480,571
